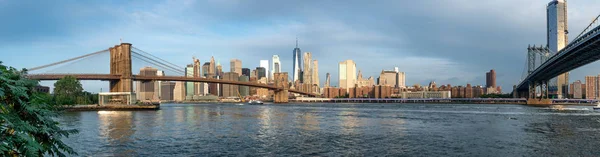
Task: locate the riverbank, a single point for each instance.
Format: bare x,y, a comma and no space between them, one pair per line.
407,101
400,102
111,107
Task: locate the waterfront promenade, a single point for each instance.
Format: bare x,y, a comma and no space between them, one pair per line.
521,101
399,100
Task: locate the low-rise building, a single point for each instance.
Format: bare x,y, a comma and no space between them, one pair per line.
426,95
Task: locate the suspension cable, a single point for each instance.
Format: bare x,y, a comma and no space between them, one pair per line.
155,57
157,65
133,52
588,27
68,60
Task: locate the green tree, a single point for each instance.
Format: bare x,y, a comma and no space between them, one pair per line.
67,90
26,124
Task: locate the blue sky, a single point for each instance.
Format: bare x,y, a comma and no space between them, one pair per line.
452,42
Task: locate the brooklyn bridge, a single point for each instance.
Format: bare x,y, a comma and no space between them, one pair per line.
121,77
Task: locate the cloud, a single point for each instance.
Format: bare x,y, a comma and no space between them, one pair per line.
448,41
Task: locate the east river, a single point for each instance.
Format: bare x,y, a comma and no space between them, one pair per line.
337,130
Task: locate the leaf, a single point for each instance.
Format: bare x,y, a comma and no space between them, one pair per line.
26,124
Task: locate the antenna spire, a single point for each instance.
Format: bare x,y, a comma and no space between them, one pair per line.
296,41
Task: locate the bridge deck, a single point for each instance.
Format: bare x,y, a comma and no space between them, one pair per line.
160,78
579,52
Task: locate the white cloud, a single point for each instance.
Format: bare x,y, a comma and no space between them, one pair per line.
430,40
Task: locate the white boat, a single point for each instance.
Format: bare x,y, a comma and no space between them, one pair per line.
230,100
255,102
597,107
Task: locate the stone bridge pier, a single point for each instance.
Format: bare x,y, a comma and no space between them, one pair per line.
120,64
281,81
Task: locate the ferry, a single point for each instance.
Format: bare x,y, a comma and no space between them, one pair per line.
230,100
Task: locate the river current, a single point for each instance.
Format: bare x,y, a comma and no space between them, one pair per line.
337,130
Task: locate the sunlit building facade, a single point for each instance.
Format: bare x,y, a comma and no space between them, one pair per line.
347,74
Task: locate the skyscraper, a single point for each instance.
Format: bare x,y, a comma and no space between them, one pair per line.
392,78
244,90
230,90
577,92
158,84
557,38
490,79
591,87
276,65
236,66
146,89
315,75
401,79
219,70
297,63
211,67
261,72
166,90
189,86
246,72
327,80
205,69
179,91
307,73
253,74
347,74
197,74
265,64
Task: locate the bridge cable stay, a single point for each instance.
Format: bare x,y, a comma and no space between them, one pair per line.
163,61
142,51
160,67
67,60
590,26
524,74
148,59
81,66
157,64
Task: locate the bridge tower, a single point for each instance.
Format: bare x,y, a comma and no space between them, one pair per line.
281,81
120,64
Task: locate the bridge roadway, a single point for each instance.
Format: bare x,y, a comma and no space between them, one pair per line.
579,52
107,77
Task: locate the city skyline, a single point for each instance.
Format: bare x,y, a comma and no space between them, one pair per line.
441,66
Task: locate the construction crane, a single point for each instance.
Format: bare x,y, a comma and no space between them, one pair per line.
241,98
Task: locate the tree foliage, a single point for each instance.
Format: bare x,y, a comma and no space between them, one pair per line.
26,124
67,91
87,98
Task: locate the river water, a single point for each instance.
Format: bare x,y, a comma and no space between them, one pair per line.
337,130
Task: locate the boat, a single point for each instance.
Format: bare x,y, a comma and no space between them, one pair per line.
255,102
230,100
597,107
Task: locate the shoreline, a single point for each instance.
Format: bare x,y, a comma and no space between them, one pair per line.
110,107
157,106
